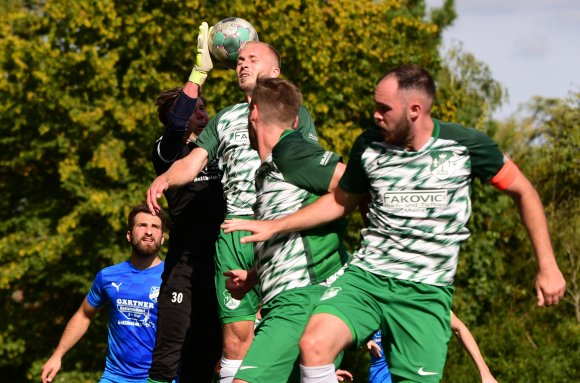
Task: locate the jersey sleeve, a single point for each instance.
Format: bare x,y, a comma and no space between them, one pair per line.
306,125
209,138
97,296
507,174
305,164
355,179
159,163
166,149
484,155
169,146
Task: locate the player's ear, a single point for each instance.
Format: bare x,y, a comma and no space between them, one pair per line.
296,123
254,112
162,239
275,72
128,235
415,110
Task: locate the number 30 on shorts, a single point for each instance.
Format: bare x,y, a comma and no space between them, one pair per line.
176,297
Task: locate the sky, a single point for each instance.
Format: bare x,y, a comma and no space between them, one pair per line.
531,46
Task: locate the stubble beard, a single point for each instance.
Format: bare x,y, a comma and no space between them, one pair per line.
401,135
248,86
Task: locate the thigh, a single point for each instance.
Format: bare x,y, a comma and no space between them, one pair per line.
205,328
231,255
273,355
174,302
351,298
173,320
416,329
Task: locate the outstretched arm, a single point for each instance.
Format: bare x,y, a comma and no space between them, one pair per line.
550,283
169,146
336,176
185,170
180,173
73,332
326,209
464,336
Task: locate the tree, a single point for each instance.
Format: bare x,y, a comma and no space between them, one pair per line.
496,273
550,128
77,120
468,93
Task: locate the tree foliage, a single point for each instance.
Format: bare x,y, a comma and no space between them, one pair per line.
496,273
77,119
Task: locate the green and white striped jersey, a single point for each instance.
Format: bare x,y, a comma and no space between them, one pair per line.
420,201
226,138
294,175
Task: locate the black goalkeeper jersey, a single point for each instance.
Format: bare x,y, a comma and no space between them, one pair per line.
198,208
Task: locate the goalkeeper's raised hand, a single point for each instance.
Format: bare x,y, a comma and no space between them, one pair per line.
203,63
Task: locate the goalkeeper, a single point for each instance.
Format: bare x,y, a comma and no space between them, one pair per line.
226,138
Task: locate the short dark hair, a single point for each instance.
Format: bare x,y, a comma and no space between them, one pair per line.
165,102
412,76
279,100
142,208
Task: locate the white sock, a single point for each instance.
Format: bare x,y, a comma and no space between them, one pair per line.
228,370
318,374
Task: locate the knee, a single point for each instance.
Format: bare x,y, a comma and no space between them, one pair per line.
312,349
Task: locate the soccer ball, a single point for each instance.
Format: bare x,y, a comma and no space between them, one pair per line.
226,39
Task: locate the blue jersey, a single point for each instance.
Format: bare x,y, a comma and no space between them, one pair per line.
379,370
132,296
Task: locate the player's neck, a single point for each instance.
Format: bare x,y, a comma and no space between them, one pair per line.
422,132
267,141
142,263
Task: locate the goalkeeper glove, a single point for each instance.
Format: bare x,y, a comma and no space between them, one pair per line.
203,63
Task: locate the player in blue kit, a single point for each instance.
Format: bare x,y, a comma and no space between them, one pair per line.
131,289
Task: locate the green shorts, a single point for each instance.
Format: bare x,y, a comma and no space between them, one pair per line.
414,319
274,353
232,255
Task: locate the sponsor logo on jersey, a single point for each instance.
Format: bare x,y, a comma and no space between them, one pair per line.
210,172
331,292
325,158
442,164
241,138
154,293
138,313
134,304
230,302
116,286
415,200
